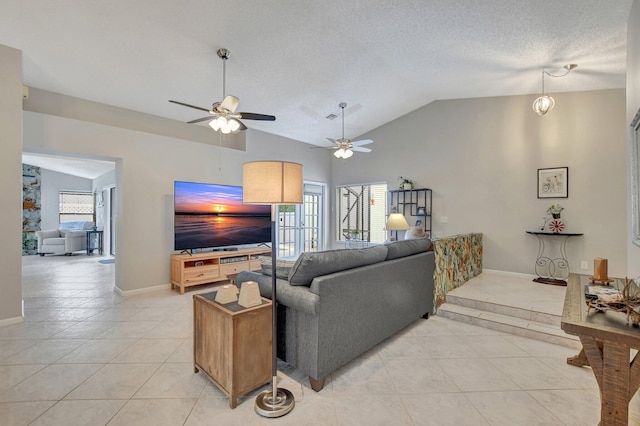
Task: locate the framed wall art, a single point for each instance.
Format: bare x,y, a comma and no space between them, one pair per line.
553,183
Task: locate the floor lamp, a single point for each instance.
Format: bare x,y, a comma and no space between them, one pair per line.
273,182
396,222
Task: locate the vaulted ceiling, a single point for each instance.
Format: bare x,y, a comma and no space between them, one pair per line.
299,59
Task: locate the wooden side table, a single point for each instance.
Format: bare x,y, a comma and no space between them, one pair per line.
232,344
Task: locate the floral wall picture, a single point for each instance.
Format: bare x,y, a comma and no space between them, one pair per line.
553,183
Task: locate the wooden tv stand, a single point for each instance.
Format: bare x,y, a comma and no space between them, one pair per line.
213,266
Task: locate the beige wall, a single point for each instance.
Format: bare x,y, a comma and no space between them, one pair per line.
52,184
633,103
146,166
10,184
480,157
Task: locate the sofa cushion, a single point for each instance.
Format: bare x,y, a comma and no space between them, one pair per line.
404,248
283,267
74,226
313,264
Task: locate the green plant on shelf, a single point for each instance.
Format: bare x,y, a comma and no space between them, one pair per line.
405,183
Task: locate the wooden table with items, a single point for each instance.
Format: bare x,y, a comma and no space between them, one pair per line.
607,339
232,344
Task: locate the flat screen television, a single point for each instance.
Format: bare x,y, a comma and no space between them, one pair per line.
213,216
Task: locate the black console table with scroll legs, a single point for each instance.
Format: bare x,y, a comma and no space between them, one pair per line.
552,270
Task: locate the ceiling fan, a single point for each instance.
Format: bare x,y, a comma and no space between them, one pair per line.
223,114
345,147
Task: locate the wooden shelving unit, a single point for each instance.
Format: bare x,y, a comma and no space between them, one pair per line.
203,268
408,202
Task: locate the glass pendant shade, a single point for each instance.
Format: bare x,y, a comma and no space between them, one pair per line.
224,125
343,153
543,104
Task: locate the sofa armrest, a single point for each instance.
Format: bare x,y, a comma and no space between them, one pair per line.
74,241
75,234
299,298
53,233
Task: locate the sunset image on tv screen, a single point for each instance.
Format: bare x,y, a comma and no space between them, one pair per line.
210,215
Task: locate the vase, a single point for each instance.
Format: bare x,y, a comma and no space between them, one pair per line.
406,186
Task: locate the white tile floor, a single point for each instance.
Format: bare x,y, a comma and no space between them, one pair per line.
85,355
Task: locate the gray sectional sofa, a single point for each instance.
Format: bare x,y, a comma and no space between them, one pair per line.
335,305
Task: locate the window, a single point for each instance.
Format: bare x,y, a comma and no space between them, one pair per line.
76,205
361,212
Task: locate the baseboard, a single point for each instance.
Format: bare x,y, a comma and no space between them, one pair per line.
139,290
10,321
509,274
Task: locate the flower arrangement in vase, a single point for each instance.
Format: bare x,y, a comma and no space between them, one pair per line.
555,210
556,224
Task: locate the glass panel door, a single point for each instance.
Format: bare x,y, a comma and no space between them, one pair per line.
300,227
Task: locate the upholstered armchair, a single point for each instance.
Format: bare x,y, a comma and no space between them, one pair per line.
69,237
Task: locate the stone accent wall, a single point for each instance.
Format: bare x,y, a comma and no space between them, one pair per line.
458,259
31,205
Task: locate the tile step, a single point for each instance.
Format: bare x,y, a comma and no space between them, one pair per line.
509,324
498,308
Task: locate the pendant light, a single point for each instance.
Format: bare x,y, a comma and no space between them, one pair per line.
545,103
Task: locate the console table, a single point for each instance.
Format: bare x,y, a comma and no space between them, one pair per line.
213,266
607,341
552,270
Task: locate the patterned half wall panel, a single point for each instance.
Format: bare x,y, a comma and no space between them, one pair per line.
458,259
31,208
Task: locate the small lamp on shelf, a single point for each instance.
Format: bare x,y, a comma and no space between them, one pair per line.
396,222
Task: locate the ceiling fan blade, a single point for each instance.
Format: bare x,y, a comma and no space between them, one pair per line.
362,142
190,106
198,120
360,149
254,116
332,140
242,126
230,103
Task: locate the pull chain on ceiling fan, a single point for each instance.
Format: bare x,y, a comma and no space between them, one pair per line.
345,147
222,116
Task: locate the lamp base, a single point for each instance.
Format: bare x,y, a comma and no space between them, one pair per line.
267,407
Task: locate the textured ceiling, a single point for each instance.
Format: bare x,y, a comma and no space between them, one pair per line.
298,59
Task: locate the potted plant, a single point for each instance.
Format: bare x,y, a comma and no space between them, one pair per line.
405,183
555,210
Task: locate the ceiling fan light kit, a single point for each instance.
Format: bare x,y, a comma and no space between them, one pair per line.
225,118
345,147
342,153
545,103
225,125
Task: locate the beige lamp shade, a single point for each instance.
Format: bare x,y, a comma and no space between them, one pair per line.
397,222
271,182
